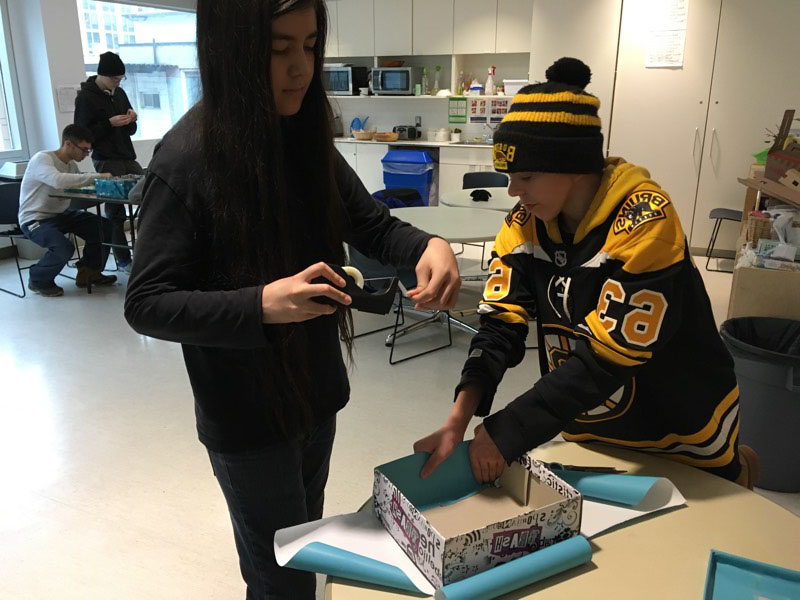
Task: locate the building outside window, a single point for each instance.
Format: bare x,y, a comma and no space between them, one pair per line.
159,50
13,145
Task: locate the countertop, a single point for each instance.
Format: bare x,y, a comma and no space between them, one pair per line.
413,143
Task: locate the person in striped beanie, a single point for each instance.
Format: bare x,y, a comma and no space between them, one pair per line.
594,251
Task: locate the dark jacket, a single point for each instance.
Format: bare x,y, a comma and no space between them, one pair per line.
226,347
93,109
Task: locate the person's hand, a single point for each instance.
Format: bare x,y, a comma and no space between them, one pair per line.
120,120
289,300
438,281
486,460
441,443
132,115
104,176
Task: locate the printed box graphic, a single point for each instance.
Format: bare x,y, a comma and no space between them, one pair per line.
453,528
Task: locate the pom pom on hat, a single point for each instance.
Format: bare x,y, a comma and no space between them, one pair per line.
570,71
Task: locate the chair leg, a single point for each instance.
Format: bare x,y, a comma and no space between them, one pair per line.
483,252
435,317
19,273
710,249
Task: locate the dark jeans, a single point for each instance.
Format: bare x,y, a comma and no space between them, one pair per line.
49,233
270,489
116,212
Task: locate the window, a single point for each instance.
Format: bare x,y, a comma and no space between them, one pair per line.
13,145
159,51
151,101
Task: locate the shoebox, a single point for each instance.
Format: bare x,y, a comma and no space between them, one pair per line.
452,527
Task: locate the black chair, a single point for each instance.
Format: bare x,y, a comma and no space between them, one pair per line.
483,179
720,214
9,217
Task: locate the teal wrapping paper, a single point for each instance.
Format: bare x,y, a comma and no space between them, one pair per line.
518,573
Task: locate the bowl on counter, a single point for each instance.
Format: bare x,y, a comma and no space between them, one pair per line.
364,135
386,136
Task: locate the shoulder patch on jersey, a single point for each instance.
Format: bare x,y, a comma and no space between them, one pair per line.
638,209
518,215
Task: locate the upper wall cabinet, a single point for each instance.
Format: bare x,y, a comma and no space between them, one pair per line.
514,25
393,27
332,42
356,27
433,27
492,26
474,26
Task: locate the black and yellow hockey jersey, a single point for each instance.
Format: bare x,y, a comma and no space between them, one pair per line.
629,351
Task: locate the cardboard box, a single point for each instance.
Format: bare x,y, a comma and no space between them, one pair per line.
451,532
780,159
764,293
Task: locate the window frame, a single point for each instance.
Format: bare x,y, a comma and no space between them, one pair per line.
11,81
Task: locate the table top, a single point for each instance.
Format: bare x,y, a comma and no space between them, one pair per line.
664,555
92,198
500,199
461,225
773,189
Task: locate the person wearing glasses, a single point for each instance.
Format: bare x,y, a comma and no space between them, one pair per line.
103,106
46,221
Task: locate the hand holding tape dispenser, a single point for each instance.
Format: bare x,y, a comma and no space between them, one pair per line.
379,303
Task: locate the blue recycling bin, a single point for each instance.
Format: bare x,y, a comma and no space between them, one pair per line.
409,169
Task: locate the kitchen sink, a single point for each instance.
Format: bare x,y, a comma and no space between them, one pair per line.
471,143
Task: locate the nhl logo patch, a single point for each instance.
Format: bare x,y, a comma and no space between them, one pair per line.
638,209
561,258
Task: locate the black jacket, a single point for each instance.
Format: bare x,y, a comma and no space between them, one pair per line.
225,345
93,109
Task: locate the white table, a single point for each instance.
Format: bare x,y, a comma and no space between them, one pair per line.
661,556
499,201
456,226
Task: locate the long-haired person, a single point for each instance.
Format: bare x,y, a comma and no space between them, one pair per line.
244,202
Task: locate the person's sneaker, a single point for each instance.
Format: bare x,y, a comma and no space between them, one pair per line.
125,267
751,467
85,275
51,291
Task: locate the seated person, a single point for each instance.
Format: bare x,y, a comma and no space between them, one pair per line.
44,220
628,349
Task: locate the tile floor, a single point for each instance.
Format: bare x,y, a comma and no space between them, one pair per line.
105,490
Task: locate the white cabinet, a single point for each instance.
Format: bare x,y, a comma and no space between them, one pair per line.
332,43
474,26
659,114
586,30
433,27
369,166
393,27
755,80
454,162
514,19
356,27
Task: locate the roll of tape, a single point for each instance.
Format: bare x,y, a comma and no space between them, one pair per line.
356,275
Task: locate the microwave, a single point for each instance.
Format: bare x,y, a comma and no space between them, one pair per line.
341,80
397,81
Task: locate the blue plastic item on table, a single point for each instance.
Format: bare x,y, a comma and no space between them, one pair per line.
731,577
115,187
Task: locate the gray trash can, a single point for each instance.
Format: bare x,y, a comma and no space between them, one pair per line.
766,353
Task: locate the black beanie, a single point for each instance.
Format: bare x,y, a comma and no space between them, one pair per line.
110,65
552,127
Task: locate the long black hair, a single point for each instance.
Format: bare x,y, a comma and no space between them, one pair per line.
273,199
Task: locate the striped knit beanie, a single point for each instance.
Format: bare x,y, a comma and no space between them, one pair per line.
552,127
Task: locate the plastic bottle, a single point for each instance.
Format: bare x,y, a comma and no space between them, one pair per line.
424,81
435,89
489,87
460,83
